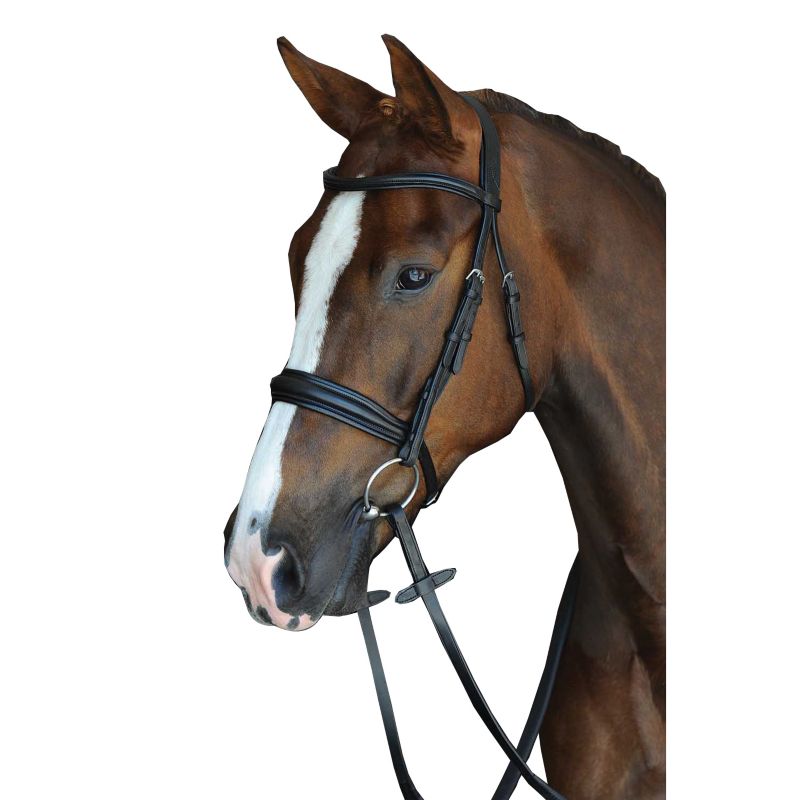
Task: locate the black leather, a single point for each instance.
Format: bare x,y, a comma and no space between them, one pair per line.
490,152
490,157
450,361
412,180
425,586
346,405
407,788
516,335
558,640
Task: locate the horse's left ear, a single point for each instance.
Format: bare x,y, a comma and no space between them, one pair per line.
440,111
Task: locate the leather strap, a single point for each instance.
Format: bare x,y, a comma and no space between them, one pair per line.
412,180
425,586
407,788
450,362
544,691
518,756
491,180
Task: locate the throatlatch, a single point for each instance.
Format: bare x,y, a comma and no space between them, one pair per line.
353,408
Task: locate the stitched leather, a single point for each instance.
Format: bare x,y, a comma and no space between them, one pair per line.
407,788
516,335
450,361
425,586
346,405
490,161
412,180
558,640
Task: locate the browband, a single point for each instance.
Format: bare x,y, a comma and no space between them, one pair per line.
411,180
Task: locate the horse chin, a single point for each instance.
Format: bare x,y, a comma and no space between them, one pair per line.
348,598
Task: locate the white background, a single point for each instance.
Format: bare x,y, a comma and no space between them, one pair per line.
155,159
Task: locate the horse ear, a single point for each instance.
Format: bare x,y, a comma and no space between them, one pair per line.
340,100
440,111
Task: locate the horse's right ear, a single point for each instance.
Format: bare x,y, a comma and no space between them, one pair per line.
340,100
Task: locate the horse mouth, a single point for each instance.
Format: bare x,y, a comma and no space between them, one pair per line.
347,592
298,622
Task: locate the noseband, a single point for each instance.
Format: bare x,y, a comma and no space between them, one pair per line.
353,408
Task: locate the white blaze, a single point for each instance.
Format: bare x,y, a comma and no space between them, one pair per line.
330,252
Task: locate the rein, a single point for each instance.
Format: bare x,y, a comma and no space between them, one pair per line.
355,409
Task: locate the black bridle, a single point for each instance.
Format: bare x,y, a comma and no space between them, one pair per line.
353,408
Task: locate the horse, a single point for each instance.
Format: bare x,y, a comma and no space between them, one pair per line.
376,277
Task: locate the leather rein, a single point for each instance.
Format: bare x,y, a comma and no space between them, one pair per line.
355,409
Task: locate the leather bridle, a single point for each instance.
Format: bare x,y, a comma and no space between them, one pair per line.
355,409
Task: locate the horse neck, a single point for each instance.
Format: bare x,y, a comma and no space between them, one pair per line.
593,250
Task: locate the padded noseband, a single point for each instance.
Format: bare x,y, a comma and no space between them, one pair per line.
353,408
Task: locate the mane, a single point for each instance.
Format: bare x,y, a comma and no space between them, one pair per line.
503,103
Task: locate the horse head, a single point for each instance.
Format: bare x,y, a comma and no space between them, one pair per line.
377,277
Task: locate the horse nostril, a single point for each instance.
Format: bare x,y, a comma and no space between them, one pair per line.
288,579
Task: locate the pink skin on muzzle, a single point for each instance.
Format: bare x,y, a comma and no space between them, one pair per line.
253,571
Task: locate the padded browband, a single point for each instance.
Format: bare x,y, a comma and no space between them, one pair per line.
353,408
411,180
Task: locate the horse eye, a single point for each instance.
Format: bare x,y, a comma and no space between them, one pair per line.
413,278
